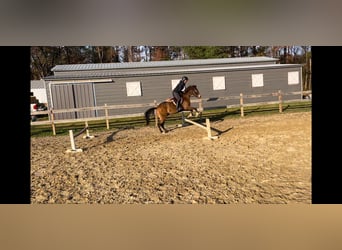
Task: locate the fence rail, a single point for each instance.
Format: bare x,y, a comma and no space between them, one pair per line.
106,107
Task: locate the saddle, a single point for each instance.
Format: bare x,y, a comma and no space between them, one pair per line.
171,99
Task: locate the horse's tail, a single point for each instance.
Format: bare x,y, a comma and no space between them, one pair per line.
148,114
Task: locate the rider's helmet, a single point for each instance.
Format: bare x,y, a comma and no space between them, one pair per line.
185,78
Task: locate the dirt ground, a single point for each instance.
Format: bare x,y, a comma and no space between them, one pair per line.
256,159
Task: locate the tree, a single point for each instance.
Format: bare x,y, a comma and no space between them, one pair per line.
105,54
43,59
204,52
160,53
307,68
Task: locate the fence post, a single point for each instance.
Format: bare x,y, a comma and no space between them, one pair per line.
200,109
241,105
155,116
106,114
280,98
200,106
52,117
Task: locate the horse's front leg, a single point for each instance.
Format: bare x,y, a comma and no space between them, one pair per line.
198,113
193,112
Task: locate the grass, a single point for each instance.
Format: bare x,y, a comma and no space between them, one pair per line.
213,114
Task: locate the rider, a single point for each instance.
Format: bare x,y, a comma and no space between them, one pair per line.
178,92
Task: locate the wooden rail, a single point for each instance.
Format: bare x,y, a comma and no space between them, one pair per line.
106,107
206,127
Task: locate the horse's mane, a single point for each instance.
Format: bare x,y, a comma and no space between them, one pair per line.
190,87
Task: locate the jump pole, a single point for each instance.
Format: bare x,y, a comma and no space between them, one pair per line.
72,142
207,127
72,139
87,136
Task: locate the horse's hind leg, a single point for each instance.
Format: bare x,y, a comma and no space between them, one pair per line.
160,128
164,129
161,123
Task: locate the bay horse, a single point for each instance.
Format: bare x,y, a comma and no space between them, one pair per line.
169,107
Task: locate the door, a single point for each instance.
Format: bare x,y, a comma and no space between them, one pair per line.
68,96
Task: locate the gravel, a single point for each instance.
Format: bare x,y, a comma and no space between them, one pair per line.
256,159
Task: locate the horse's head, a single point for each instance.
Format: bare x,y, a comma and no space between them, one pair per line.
192,91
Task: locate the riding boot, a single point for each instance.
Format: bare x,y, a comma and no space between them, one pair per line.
179,106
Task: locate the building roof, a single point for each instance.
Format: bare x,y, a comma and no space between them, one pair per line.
105,74
127,65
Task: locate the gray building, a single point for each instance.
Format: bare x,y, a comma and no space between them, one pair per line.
91,85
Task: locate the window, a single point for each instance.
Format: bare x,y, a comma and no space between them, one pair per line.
257,80
219,82
174,83
293,77
133,88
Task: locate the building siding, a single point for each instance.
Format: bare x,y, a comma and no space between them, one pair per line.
62,98
84,97
157,87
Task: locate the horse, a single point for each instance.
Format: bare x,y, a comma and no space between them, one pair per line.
168,107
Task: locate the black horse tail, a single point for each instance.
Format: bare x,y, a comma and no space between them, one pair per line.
148,114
